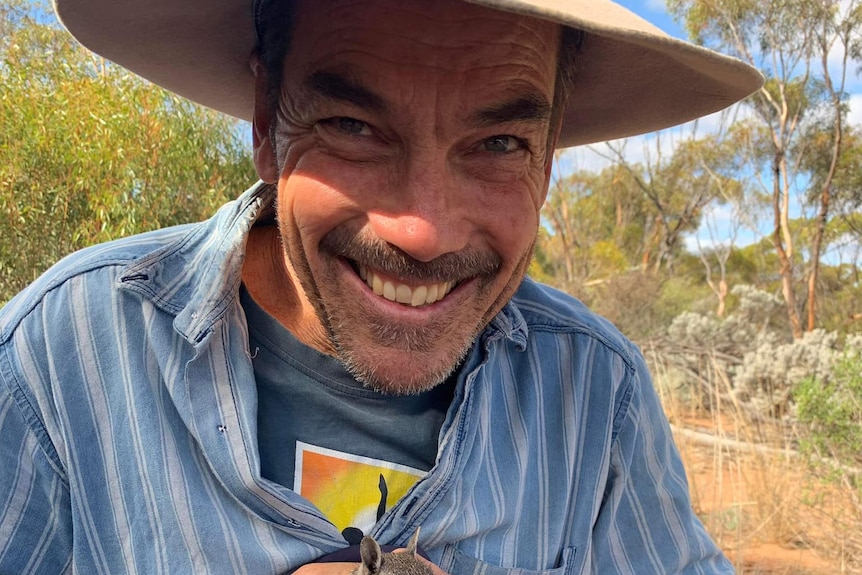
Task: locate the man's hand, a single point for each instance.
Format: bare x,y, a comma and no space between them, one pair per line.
327,569
434,568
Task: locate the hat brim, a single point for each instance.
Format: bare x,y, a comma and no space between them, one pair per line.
632,78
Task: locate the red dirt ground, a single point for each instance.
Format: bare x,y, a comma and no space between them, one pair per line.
731,505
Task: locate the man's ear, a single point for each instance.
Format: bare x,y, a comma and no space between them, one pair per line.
264,153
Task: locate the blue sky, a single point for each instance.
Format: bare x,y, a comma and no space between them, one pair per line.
655,12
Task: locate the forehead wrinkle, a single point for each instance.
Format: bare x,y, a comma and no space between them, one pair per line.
510,63
452,37
345,86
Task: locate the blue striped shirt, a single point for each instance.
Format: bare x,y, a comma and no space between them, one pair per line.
128,437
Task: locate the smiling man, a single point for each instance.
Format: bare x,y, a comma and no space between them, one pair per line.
351,347
409,189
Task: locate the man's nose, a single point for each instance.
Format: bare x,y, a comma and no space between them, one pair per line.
424,213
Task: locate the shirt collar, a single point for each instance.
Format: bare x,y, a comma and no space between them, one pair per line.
511,325
197,277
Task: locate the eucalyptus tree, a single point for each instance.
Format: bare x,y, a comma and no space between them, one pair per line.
594,226
89,152
805,48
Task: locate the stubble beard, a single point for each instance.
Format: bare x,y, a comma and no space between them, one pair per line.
368,368
370,347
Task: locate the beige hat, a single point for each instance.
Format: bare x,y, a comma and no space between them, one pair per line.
632,78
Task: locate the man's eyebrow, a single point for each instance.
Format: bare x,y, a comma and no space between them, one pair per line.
344,88
525,108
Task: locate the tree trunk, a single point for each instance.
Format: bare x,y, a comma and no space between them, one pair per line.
782,241
825,195
722,298
819,231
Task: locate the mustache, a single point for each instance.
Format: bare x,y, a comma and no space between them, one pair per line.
389,259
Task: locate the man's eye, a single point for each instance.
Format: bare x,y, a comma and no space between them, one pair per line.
502,144
350,125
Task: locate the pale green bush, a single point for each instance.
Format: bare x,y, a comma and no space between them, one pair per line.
830,406
762,366
771,370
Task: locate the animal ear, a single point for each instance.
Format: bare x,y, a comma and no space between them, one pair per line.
371,556
414,543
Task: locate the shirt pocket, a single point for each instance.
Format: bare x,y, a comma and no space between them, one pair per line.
456,562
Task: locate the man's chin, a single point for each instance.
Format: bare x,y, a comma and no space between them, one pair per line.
401,372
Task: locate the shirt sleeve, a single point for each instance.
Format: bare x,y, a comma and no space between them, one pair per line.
646,523
35,516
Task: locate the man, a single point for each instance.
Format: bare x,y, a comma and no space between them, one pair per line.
351,347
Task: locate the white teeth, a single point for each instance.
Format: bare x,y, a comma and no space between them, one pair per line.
389,291
420,296
402,293
376,284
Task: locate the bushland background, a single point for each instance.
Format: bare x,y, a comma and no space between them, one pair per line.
728,249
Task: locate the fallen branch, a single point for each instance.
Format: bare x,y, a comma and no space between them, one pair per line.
701,438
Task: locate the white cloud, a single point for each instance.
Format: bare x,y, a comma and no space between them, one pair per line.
855,104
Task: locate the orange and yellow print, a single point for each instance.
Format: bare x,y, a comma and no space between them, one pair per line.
352,491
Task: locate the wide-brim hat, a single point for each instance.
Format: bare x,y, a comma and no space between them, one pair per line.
632,78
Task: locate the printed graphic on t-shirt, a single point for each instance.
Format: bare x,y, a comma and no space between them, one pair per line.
352,491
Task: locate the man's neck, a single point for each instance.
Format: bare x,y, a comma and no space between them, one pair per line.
270,283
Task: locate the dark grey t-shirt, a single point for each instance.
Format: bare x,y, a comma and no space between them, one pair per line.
350,450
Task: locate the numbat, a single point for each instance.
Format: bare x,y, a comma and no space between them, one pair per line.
376,562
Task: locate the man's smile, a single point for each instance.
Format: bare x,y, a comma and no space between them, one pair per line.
398,290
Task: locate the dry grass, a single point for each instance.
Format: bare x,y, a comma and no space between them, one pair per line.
769,508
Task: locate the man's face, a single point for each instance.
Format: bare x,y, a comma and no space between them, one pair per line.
412,160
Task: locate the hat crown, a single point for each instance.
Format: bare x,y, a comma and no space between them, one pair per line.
632,78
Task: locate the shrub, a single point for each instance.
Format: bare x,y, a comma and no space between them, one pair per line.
830,406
